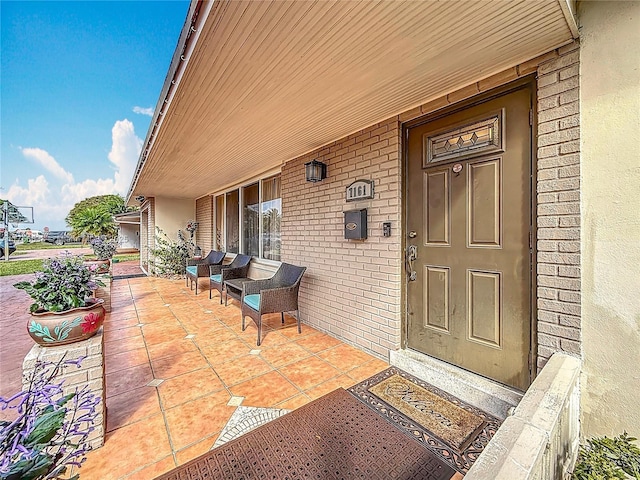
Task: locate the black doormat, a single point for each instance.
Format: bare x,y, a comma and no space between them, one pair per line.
333,437
453,430
125,277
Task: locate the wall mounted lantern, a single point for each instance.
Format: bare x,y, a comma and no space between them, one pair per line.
315,171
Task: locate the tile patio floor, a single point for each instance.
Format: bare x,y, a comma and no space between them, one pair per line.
159,332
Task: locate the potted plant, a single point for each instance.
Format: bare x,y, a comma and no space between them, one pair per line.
63,310
103,250
51,429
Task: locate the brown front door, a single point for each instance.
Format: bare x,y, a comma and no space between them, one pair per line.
468,224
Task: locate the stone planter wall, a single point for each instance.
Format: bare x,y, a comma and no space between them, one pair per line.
91,372
540,440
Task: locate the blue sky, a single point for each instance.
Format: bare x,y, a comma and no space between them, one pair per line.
79,82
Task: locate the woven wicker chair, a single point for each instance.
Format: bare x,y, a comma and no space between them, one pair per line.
219,273
276,294
197,268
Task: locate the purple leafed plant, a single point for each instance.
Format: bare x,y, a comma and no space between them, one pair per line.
51,431
65,282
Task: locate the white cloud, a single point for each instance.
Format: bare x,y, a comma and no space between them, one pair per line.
48,162
53,201
125,150
36,192
143,111
39,195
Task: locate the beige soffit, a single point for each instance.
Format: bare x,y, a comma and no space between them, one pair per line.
128,217
254,84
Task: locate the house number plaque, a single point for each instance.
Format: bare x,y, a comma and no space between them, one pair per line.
360,190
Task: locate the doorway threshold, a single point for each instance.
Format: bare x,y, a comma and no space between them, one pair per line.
492,397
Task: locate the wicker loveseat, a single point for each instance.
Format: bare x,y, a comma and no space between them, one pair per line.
277,294
197,268
218,274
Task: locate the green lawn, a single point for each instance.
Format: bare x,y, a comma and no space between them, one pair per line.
19,267
45,246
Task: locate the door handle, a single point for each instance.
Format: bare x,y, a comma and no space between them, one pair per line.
411,255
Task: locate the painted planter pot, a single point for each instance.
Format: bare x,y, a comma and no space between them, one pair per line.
51,329
101,266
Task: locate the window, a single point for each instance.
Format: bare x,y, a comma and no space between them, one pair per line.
233,221
247,220
251,220
219,226
271,212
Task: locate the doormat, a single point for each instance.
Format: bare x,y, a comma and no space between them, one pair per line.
454,430
125,277
333,437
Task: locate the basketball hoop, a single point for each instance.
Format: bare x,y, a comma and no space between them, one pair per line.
14,215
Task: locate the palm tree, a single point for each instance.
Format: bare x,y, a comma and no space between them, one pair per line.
94,221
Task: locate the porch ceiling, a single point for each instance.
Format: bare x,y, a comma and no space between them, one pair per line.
268,81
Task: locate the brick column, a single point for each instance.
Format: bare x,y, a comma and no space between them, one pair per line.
91,372
558,195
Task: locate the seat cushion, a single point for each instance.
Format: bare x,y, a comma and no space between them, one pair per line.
193,270
216,278
253,301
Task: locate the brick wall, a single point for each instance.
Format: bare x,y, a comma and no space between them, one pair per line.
90,373
352,289
558,195
204,217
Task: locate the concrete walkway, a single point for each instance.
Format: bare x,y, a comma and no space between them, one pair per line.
15,342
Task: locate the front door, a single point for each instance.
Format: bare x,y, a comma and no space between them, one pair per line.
468,246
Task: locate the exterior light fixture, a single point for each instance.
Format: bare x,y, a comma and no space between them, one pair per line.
140,198
315,171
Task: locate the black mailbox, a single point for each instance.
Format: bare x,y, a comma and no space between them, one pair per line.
355,224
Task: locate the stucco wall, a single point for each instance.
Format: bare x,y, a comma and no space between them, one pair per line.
172,214
129,236
610,117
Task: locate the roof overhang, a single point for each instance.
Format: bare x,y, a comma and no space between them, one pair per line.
128,217
255,84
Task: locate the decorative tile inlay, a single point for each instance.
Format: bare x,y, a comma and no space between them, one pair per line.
155,383
235,401
245,419
208,311
191,335
167,304
139,325
255,352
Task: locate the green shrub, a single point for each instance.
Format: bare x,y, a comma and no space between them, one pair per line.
606,458
170,258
